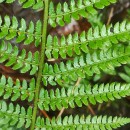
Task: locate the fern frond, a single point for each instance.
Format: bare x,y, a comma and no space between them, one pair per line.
81,95
9,29
9,89
65,12
94,38
89,64
34,4
23,61
9,114
81,123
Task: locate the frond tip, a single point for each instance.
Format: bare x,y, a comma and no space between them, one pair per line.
82,95
81,123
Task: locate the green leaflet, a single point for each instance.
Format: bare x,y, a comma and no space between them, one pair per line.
14,115
86,65
9,29
23,61
18,90
81,123
95,38
63,13
8,127
81,95
126,74
34,4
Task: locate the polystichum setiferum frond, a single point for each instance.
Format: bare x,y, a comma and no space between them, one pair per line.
79,56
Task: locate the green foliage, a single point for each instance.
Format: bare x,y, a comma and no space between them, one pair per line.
81,95
9,29
86,65
64,12
23,61
15,115
102,48
126,74
18,90
81,123
95,38
8,127
35,4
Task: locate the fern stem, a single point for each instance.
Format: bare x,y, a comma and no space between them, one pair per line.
41,63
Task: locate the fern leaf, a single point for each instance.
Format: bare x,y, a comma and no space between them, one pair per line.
9,29
23,61
94,38
81,123
82,95
35,4
89,64
9,114
18,90
65,12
